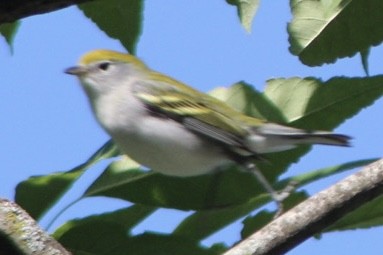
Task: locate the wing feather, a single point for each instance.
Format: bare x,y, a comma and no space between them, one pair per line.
198,112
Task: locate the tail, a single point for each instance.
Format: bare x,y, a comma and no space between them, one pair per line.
272,137
320,137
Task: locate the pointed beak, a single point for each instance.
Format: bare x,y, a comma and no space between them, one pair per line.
76,70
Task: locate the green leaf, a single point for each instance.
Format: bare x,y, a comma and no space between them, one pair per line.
312,104
39,193
245,98
105,237
208,191
119,19
201,224
126,218
8,30
94,237
251,224
366,216
315,175
246,11
325,30
204,223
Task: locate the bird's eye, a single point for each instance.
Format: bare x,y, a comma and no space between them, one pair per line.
104,66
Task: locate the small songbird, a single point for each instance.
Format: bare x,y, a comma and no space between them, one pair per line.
174,129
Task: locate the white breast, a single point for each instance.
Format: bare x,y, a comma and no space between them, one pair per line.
161,144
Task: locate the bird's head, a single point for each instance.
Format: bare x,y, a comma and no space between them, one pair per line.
102,70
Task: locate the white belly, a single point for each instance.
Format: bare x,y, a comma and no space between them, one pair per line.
161,144
165,146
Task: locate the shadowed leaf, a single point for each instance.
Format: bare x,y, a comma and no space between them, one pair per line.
323,31
119,19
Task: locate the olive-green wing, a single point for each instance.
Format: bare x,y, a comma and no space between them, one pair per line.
198,112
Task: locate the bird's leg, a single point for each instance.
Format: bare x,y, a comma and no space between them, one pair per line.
278,197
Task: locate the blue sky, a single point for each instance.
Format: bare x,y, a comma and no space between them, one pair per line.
47,125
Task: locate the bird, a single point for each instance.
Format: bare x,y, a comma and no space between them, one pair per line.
174,129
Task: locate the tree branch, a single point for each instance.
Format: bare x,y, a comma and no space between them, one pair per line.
12,10
315,214
20,234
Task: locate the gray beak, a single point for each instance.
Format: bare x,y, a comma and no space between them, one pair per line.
76,70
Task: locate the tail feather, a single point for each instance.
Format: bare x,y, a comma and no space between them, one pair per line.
326,138
273,137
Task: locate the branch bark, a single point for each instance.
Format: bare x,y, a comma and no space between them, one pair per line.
315,214
12,10
20,234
